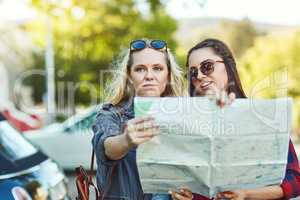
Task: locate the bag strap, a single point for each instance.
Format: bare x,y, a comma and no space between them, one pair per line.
98,193
92,161
90,176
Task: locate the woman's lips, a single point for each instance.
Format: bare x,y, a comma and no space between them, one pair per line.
201,84
205,85
149,86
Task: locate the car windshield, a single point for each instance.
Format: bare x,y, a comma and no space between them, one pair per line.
12,145
80,122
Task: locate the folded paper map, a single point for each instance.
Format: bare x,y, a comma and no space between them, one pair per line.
212,149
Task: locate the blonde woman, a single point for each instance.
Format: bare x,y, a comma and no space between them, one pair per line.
148,69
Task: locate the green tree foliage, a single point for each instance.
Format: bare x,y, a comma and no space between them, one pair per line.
89,34
239,35
271,68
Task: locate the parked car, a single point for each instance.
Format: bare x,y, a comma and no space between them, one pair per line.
25,171
68,143
20,120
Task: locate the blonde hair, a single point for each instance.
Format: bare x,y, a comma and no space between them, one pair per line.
121,89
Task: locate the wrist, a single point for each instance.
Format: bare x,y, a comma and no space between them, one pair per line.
127,142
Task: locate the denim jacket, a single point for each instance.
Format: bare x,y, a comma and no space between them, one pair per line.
123,181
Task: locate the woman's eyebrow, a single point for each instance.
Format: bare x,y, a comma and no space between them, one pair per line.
158,64
139,65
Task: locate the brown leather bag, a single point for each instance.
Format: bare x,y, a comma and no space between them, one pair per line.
84,180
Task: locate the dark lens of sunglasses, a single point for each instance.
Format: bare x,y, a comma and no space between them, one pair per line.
158,44
138,44
207,67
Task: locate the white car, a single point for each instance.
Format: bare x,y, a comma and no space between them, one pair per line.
68,143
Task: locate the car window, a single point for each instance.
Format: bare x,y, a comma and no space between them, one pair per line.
79,123
12,144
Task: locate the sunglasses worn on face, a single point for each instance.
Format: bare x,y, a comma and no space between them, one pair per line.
137,45
206,68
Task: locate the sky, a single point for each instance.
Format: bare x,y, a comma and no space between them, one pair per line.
15,10
285,12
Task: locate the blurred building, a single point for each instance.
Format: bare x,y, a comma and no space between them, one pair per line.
16,50
15,57
4,94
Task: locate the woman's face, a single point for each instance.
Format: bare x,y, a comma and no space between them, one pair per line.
207,84
149,72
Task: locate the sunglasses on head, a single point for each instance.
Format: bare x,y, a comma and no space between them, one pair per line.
137,45
206,67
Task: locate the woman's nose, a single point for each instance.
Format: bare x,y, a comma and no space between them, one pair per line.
149,75
200,75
